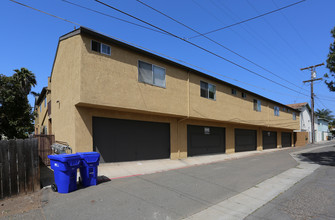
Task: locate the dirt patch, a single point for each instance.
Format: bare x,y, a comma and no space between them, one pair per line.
20,204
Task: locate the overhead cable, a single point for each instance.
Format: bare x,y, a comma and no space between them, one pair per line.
200,47
210,39
249,19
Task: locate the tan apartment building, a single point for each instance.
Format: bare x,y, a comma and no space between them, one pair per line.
43,122
129,104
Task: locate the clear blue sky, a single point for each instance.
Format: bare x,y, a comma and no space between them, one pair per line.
282,42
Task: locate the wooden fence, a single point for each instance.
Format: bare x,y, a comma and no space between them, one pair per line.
44,147
19,167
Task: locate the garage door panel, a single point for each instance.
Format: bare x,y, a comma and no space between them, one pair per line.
199,141
286,139
269,139
245,140
205,140
128,140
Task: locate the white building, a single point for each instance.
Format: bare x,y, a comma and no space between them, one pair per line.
305,119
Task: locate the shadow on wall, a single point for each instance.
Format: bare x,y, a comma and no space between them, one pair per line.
321,158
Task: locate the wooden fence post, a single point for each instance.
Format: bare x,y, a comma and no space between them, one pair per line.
13,167
5,169
21,166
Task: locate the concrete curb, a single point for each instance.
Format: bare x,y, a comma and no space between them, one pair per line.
245,203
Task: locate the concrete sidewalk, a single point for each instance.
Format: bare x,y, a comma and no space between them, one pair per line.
109,171
137,168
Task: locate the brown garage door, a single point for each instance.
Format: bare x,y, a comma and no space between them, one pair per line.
269,140
127,140
205,140
245,140
286,139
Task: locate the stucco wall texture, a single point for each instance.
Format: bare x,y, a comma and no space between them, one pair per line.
86,84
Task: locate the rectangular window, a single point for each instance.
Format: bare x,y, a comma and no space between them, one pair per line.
294,116
257,105
45,102
244,95
276,110
233,91
284,109
100,48
96,46
207,90
151,74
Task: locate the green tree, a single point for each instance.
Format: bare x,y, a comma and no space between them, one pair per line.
26,79
16,115
331,64
324,113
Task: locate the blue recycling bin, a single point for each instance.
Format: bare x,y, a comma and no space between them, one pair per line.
65,171
89,168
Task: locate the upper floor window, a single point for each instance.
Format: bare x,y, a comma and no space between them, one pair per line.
276,110
100,48
207,90
294,116
233,91
284,109
244,95
151,74
257,105
45,102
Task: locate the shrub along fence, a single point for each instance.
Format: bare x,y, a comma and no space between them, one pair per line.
44,147
19,167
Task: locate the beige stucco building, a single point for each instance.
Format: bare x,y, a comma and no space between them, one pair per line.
43,121
129,104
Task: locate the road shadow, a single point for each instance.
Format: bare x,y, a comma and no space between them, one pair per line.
322,158
46,175
103,179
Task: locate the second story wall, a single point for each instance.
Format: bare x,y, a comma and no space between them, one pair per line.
112,80
234,107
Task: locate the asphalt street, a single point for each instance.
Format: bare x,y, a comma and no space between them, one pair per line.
311,198
181,193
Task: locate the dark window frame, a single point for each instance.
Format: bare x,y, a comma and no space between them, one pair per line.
257,105
152,74
97,46
205,91
233,91
276,110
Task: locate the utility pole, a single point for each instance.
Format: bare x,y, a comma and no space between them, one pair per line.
313,78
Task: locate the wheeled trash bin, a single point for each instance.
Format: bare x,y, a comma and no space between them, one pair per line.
89,168
65,171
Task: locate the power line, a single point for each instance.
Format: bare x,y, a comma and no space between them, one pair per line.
257,36
321,102
277,33
193,44
210,39
45,12
155,52
107,15
296,31
249,19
